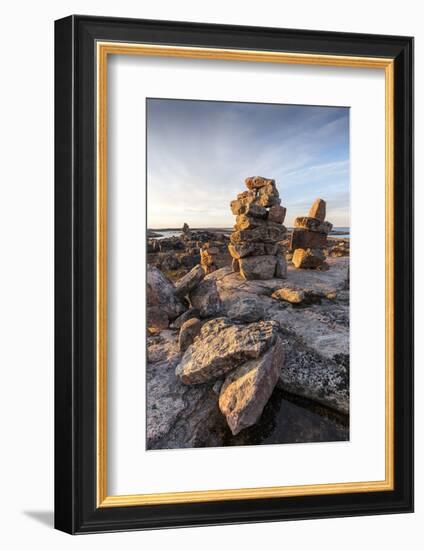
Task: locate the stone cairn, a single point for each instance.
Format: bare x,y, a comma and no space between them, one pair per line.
254,246
309,237
207,257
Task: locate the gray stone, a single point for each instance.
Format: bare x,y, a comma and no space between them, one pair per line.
189,330
177,416
245,308
310,258
258,267
189,282
205,299
277,214
157,319
311,375
162,292
240,250
247,389
280,267
222,346
189,314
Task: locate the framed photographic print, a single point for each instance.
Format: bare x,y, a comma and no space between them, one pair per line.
233,265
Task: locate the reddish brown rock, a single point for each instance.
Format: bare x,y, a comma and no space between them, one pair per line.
318,210
277,213
157,319
303,238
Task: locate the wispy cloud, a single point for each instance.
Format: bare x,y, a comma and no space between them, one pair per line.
199,154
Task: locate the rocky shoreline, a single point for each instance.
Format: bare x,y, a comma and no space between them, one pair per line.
249,330
311,309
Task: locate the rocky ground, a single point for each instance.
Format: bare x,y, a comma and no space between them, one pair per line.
234,362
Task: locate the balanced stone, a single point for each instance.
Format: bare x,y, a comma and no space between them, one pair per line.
207,257
318,210
309,237
258,230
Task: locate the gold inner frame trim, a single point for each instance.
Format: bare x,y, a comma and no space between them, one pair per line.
104,49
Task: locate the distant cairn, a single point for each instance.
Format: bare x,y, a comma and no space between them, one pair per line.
309,237
255,247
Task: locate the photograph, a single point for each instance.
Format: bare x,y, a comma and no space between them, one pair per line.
247,273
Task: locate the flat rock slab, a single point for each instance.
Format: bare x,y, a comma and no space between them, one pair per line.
311,375
178,416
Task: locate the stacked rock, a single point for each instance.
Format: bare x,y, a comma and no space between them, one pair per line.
255,247
207,257
309,237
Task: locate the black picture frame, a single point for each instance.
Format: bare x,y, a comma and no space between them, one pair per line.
76,510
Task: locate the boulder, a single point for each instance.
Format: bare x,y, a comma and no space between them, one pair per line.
303,238
258,267
308,374
247,389
222,346
277,214
318,210
280,267
189,314
189,330
308,259
246,309
189,282
205,298
162,292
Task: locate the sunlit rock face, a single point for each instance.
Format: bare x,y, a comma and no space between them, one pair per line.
309,237
247,389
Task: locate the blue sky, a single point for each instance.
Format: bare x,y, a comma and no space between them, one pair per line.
200,152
